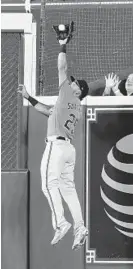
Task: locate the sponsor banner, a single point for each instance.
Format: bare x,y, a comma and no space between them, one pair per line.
109,184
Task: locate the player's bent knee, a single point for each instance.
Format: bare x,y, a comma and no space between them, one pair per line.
67,185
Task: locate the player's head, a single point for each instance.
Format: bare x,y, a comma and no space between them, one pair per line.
80,87
129,84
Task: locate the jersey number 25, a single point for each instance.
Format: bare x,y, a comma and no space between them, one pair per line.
70,123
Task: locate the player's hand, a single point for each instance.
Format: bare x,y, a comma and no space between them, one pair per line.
111,80
51,110
70,33
23,91
64,36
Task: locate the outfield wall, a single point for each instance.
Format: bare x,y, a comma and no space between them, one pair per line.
42,254
15,203
14,215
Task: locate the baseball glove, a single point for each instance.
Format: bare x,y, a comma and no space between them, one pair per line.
67,33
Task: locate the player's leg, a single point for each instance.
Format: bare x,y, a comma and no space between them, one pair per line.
69,193
67,187
51,167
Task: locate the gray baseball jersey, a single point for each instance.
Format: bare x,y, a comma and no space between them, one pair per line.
66,113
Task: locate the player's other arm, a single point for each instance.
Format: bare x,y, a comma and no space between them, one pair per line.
62,62
42,108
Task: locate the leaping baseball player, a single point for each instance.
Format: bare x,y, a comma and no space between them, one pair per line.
58,161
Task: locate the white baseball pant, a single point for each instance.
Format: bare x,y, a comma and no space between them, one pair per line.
57,173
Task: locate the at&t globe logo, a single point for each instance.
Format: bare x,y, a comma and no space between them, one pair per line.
117,185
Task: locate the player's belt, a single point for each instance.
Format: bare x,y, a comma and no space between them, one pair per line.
61,138
54,138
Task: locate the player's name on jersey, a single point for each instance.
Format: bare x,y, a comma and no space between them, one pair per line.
74,106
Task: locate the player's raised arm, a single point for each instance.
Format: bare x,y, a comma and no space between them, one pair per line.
42,108
64,35
62,62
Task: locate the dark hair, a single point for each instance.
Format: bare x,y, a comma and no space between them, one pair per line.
122,87
84,89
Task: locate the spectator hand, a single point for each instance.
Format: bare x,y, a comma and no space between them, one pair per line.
111,80
115,88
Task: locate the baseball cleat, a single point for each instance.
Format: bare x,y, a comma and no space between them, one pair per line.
80,237
60,233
